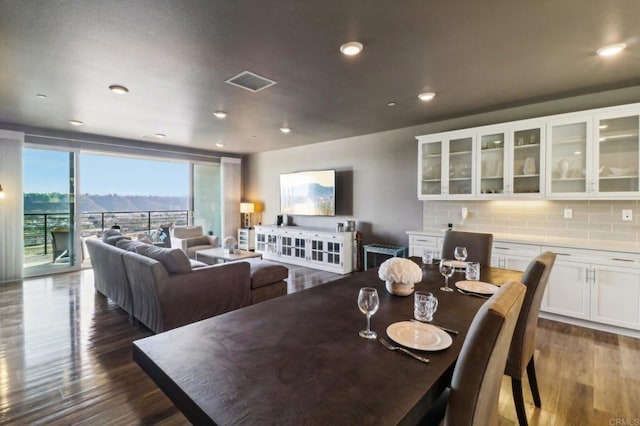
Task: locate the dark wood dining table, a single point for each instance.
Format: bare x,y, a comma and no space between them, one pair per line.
298,359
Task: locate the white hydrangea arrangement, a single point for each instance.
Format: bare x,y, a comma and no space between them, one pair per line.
400,275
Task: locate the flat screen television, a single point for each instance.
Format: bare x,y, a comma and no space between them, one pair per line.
311,193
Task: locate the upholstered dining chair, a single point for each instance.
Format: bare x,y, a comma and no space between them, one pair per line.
472,398
478,246
523,345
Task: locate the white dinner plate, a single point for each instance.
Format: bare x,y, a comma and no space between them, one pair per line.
417,335
458,264
479,287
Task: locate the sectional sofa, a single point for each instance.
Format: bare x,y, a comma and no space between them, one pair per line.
164,289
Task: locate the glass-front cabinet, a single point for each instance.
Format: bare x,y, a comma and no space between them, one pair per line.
617,155
569,158
446,166
594,156
510,160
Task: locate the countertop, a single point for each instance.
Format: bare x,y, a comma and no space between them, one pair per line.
571,243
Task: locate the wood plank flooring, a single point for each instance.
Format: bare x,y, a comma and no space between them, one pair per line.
65,358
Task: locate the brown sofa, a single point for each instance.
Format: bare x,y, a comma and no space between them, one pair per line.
164,289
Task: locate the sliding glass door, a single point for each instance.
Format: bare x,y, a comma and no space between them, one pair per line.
49,211
207,202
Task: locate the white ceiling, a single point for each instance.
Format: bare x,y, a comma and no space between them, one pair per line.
174,56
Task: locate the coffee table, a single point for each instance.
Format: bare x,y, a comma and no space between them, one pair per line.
214,255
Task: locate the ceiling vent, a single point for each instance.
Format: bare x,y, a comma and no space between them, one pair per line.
250,81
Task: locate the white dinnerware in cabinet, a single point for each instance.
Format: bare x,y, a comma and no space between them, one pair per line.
446,166
569,165
510,160
617,153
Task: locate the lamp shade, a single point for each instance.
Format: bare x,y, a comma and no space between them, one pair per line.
246,208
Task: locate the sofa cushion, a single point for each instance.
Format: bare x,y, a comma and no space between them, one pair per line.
195,264
128,245
264,272
113,240
174,260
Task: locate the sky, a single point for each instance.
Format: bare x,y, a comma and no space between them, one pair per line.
48,171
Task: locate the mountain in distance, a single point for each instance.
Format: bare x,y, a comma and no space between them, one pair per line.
56,202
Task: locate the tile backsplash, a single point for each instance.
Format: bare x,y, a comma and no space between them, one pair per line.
591,220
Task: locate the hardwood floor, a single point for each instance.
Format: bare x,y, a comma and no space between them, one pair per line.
65,358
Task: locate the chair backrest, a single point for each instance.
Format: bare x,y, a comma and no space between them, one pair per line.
478,246
187,231
60,238
523,345
475,385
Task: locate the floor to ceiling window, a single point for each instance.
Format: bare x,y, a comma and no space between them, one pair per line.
49,210
136,195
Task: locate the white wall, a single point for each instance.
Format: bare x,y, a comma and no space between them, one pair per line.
11,206
380,176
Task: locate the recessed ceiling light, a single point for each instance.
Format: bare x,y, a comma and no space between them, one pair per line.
120,90
219,145
160,135
603,126
220,114
577,153
285,129
351,48
41,96
76,122
427,96
391,104
612,49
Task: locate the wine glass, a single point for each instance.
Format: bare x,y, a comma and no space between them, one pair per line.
446,269
460,253
368,303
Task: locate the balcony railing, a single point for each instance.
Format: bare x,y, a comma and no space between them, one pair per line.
38,226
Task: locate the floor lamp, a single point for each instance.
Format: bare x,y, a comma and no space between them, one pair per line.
245,210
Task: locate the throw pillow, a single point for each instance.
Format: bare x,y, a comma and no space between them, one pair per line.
109,233
115,238
174,260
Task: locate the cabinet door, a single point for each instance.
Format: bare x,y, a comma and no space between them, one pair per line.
617,155
568,289
491,164
616,296
460,183
430,169
569,165
526,161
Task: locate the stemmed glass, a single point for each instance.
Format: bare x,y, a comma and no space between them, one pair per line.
368,303
460,253
446,269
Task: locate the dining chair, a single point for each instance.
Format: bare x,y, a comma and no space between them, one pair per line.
523,345
472,398
479,246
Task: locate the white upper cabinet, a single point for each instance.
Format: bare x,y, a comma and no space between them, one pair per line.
446,166
510,160
594,155
585,155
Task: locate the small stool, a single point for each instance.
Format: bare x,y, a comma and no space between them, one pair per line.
375,249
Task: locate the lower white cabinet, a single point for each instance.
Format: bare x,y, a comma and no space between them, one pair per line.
318,249
246,239
419,243
591,286
595,289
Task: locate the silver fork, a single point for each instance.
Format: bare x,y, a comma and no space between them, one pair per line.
403,350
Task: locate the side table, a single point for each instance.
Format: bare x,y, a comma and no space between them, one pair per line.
375,249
